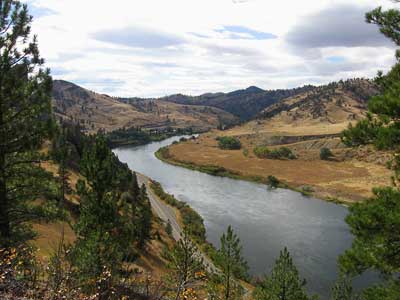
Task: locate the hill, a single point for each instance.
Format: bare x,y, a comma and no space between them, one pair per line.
95,111
304,123
326,109
245,104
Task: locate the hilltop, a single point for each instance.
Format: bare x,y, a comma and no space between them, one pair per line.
244,104
95,111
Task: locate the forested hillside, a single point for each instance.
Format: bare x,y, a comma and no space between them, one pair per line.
245,104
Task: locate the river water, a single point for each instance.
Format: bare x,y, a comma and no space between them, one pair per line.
266,221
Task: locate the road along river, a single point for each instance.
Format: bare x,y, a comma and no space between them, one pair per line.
313,230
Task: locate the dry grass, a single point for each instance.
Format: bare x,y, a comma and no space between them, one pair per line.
345,179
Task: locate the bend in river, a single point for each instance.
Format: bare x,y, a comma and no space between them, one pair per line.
266,220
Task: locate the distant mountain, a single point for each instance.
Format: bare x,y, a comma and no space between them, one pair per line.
335,103
245,104
98,111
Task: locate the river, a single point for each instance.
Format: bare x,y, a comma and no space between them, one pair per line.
266,221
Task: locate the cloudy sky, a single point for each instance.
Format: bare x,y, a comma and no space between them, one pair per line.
153,48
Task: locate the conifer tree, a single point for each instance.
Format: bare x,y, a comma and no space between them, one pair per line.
144,217
376,222
283,283
231,263
185,264
103,237
25,122
343,290
134,189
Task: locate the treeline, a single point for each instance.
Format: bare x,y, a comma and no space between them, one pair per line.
139,136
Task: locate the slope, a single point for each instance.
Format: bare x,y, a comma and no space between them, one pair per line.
95,111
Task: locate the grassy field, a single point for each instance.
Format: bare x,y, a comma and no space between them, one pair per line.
349,177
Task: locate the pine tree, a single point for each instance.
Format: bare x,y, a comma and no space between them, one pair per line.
376,222
284,282
25,121
103,237
343,290
144,217
134,189
185,264
231,263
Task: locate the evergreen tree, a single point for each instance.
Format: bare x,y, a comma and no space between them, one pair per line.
185,265
134,189
25,121
343,290
284,282
231,263
376,222
144,217
103,237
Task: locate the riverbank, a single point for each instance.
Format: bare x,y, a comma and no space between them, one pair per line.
316,179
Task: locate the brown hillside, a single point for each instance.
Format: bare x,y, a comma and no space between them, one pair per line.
97,111
304,123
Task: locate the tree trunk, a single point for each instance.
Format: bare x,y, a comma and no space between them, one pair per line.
5,230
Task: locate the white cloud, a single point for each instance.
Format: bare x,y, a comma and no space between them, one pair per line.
154,48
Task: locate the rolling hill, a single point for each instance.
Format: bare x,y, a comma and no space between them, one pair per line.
245,104
98,111
305,123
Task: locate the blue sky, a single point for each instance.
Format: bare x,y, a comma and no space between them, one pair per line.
155,48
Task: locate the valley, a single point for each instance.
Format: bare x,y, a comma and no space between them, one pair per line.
305,123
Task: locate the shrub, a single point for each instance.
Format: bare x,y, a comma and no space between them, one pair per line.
280,153
183,139
228,143
307,190
325,153
261,152
192,221
273,182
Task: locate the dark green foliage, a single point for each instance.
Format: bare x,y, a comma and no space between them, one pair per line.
343,290
283,283
192,221
279,153
228,143
168,228
387,291
139,136
272,182
25,122
245,104
144,216
388,22
103,234
325,153
376,222
376,227
231,263
133,136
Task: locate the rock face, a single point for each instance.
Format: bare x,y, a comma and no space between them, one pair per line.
98,111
